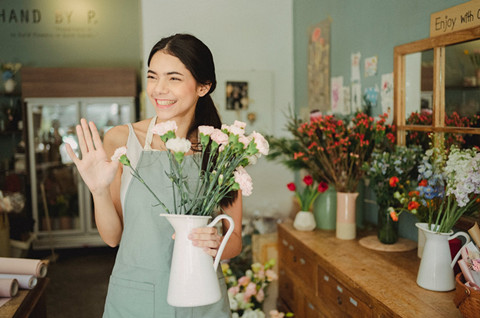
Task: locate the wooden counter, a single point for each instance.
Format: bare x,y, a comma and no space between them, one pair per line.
27,303
322,276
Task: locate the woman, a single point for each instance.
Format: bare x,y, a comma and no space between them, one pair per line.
181,76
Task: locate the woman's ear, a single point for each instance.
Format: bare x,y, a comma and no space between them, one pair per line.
203,89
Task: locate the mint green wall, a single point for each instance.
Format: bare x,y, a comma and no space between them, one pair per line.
70,33
373,28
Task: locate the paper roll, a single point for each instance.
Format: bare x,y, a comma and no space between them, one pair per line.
24,281
8,287
23,266
474,232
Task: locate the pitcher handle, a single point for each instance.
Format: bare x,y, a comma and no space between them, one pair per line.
225,238
467,238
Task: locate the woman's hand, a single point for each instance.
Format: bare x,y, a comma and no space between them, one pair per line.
96,169
207,238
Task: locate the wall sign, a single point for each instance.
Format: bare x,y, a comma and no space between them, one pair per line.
463,16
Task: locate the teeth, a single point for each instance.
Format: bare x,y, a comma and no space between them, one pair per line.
165,102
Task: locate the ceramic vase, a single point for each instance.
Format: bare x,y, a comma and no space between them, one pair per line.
346,224
420,243
325,209
9,85
436,267
193,279
387,229
304,221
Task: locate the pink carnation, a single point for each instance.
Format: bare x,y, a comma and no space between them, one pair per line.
244,180
260,295
219,137
234,130
206,130
162,128
250,291
262,144
239,124
118,153
234,290
244,280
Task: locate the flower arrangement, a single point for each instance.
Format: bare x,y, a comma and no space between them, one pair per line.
309,193
247,293
448,187
389,171
474,57
9,70
12,202
335,149
226,151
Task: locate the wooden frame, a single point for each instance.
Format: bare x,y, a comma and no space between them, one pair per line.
437,44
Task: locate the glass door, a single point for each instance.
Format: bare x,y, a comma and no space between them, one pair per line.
56,190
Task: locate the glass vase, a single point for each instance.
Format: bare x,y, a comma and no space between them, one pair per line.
387,228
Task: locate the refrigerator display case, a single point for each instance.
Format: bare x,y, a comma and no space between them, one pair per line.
62,205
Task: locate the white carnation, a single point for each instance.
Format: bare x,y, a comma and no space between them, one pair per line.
178,145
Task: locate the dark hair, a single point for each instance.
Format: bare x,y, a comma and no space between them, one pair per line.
198,59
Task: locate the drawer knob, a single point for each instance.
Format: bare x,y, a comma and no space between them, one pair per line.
284,242
326,278
353,301
310,306
291,247
340,289
302,261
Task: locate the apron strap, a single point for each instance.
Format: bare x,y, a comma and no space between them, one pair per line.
149,137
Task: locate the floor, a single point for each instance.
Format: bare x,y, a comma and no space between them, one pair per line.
78,281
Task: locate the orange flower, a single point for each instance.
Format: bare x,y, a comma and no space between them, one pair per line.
393,181
413,205
423,183
394,216
413,194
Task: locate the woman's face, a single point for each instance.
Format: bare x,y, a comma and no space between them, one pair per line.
172,89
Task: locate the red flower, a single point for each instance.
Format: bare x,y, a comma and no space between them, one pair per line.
291,186
413,205
322,187
393,181
413,193
308,180
423,183
394,216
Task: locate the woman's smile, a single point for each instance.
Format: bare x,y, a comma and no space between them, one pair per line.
164,103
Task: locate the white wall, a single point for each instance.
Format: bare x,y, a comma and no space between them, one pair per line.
251,40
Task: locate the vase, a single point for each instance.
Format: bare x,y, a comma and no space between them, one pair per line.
420,243
359,210
387,229
436,267
9,85
325,209
193,279
304,221
346,223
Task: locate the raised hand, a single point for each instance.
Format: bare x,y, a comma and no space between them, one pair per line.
96,169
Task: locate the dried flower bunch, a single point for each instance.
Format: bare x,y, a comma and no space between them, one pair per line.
227,152
9,70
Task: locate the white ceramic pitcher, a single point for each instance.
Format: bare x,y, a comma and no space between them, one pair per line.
193,274
436,267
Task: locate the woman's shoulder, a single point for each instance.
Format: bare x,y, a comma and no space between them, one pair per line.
116,136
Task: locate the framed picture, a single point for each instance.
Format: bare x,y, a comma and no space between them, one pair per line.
237,95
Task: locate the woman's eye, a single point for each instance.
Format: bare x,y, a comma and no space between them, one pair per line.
175,79
150,77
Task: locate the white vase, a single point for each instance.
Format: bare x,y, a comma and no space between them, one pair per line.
420,243
9,85
193,278
304,221
436,267
346,228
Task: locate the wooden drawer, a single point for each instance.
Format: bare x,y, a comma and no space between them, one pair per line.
338,295
286,288
296,257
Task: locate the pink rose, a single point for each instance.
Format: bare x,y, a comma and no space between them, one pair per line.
250,291
244,281
260,295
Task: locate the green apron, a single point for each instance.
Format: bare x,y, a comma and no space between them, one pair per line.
139,282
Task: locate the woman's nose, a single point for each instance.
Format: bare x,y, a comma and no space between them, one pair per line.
161,86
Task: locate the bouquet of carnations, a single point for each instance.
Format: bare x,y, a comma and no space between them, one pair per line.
226,151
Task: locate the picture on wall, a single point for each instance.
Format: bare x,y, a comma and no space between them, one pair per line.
319,67
237,95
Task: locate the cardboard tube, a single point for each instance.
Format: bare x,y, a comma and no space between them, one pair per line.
23,266
8,287
24,281
474,232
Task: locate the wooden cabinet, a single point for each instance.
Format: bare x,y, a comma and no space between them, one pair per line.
322,276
